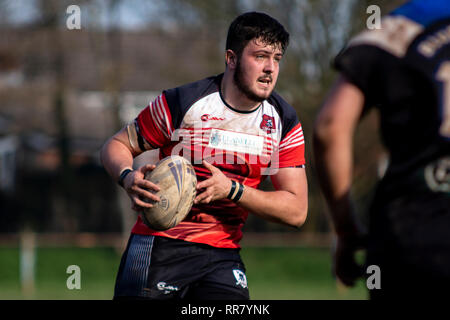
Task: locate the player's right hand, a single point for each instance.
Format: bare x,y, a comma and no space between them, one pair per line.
140,189
345,265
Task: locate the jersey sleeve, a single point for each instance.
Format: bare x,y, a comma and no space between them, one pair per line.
154,124
357,64
367,67
369,58
291,150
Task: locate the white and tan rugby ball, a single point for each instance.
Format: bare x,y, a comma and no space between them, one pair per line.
177,181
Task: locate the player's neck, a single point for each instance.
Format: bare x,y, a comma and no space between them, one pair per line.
234,97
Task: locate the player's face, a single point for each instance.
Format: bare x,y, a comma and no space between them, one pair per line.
257,70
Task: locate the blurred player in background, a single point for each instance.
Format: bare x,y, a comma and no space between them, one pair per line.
403,70
235,130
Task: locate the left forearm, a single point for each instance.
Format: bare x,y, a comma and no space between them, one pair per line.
287,205
277,206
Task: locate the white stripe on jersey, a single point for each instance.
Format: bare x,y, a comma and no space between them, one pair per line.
294,137
293,134
294,145
162,116
156,117
169,129
297,139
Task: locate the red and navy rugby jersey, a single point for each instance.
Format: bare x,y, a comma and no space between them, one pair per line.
194,121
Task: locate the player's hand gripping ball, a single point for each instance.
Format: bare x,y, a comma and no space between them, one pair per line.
177,181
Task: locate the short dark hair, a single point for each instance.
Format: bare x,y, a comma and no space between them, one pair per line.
255,25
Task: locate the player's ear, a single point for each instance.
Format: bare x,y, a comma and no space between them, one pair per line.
230,59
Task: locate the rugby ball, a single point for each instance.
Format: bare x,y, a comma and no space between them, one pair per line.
177,181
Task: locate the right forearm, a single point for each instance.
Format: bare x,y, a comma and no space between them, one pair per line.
115,157
333,149
334,166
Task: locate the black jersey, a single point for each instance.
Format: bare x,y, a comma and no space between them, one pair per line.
403,69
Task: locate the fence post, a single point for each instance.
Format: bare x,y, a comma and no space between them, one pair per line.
27,262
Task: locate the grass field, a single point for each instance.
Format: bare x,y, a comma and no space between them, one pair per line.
272,273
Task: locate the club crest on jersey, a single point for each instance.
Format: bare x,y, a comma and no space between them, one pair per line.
268,124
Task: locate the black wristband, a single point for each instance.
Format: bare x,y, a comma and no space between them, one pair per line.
239,193
122,176
233,188
236,191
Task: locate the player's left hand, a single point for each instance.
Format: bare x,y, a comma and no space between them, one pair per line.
216,187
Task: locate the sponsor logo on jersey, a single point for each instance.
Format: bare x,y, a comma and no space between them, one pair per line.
241,279
268,124
207,117
236,141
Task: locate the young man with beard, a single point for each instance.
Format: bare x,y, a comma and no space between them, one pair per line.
235,130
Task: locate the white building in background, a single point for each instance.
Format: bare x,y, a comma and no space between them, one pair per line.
131,102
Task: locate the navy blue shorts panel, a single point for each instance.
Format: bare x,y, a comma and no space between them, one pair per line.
162,268
131,279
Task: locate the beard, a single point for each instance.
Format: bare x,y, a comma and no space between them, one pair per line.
240,83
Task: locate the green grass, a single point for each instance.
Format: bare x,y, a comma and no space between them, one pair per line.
295,274
272,273
98,271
